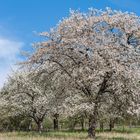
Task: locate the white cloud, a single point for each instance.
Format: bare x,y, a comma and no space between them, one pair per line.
9,55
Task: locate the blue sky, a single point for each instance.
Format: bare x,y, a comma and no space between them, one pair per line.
20,20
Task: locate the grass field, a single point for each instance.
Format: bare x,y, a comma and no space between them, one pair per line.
133,134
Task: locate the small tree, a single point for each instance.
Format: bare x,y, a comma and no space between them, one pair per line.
27,97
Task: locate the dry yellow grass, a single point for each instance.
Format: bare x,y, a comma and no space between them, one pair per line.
77,136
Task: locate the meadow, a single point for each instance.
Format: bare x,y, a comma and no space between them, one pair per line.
127,134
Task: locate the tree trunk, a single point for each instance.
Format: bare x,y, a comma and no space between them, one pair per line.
73,124
39,126
93,119
89,122
130,124
30,125
101,126
55,121
82,123
92,126
111,125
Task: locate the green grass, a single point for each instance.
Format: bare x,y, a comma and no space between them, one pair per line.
128,130
116,134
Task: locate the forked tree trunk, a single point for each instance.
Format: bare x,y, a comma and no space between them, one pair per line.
93,117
